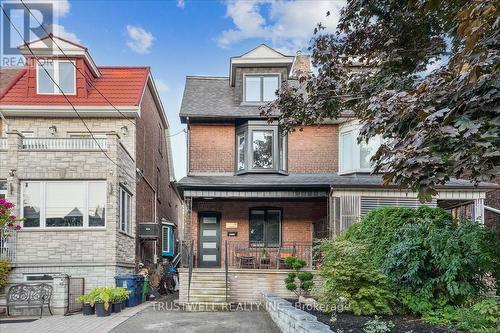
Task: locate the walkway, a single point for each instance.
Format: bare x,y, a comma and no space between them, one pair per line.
75,323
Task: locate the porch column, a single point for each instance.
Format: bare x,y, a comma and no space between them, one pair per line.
479,211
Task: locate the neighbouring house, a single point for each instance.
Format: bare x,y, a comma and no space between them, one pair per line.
94,186
254,195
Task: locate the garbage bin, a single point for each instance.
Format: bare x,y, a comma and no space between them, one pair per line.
145,289
131,283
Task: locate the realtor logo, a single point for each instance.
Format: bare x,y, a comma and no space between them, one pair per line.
20,24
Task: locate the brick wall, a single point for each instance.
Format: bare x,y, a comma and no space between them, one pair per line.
153,160
314,150
297,217
211,148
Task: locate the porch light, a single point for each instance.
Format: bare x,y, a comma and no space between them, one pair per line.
124,130
53,130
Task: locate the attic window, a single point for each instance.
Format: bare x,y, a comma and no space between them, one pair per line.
62,72
261,88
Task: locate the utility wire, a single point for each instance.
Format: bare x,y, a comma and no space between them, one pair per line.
90,80
182,131
62,92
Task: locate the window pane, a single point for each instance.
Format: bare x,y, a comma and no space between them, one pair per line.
257,224
366,152
262,149
3,189
273,227
347,151
31,204
97,204
283,151
165,239
270,87
241,151
65,204
252,88
45,83
66,77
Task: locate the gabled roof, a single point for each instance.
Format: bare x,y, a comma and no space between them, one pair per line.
122,86
8,77
262,56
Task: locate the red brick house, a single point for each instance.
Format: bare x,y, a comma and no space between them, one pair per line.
255,195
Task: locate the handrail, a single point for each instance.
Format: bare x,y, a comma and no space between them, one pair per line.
190,263
226,267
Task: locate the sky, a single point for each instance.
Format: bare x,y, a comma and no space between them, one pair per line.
187,37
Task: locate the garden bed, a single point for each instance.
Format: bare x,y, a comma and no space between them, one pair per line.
351,323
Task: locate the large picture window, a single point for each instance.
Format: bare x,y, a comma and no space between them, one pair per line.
265,227
63,204
354,156
261,88
62,72
260,148
3,189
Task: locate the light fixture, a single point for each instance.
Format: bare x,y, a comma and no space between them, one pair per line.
53,130
124,130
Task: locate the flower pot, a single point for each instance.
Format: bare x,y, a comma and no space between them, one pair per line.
116,307
100,311
88,309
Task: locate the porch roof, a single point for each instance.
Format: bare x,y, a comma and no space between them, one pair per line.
313,181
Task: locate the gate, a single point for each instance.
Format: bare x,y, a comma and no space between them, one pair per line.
76,287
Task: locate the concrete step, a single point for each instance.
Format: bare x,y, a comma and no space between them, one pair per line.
207,298
207,284
207,306
208,291
207,277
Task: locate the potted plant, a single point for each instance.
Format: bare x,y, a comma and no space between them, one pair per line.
88,304
115,299
101,298
124,295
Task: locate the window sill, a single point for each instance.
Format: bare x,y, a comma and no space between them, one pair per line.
353,172
244,172
32,229
254,103
125,234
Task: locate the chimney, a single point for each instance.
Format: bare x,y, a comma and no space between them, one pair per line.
301,66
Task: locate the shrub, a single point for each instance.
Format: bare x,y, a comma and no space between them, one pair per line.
379,229
4,273
351,280
378,326
304,283
438,264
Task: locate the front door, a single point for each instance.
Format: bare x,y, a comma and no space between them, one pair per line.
209,240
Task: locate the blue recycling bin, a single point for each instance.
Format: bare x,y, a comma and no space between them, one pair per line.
131,283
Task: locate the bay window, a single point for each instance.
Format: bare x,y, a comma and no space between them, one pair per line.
260,88
260,148
51,74
66,204
265,227
354,156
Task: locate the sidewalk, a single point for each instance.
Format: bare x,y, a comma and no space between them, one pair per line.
75,323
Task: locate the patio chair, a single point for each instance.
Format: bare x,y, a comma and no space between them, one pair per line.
244,258
284,253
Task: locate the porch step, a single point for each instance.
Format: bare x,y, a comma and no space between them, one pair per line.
217,291
208,277
207,306
207,298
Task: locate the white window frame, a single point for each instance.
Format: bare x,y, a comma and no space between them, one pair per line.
353,128
43,208
3,191
261,76
163,227
128,210
57,91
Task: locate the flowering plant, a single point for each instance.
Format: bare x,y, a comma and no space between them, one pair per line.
7,218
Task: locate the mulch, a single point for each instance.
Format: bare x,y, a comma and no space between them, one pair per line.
351,323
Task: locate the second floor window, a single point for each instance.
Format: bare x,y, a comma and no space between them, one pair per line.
260,148
261,88
125,210
354,156
62,72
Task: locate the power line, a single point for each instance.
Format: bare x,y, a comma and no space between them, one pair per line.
90,80
62,92
182,131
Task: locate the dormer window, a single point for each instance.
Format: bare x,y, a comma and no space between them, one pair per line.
260,88
354,156
260,148
60,71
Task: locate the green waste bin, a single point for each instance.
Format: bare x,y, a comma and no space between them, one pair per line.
145,289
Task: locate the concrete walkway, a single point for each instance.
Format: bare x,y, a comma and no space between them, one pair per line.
75,323
161,320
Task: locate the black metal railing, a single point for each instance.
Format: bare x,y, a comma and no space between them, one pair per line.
226,268
244,254
190,272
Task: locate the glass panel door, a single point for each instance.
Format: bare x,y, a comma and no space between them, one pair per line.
209,240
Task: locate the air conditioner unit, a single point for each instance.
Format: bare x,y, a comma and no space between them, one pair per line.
149,231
